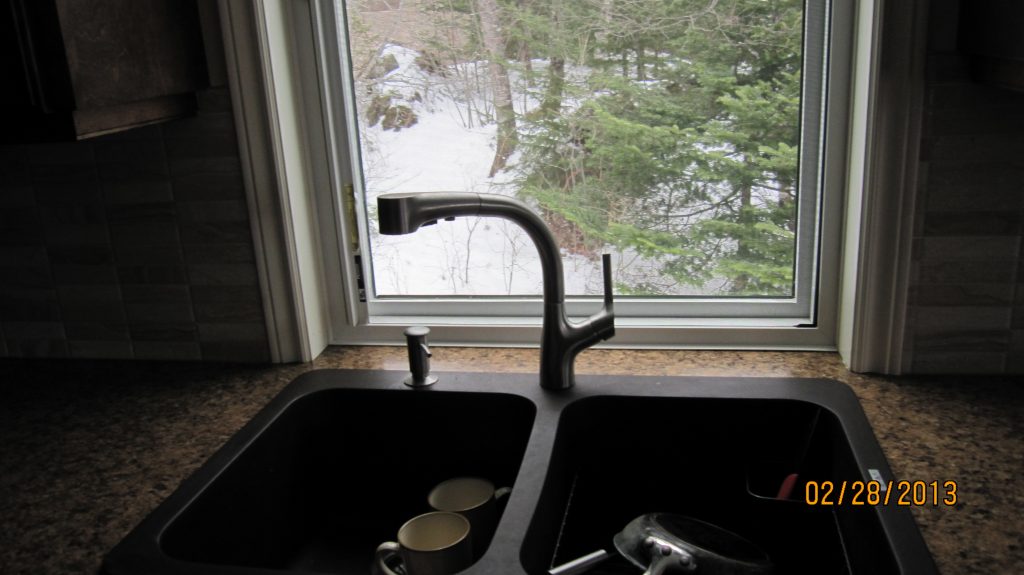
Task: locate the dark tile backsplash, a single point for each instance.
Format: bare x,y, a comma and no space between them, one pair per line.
133,245
966,299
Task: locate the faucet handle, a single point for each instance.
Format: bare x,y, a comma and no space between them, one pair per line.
606,325
602,324
606,269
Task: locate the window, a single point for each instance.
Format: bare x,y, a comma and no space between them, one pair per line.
687,138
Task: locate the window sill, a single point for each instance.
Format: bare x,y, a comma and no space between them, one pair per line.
630,333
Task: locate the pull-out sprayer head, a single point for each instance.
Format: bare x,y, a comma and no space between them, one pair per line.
405,213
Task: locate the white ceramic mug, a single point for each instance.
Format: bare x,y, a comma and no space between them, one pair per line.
476,499
437,543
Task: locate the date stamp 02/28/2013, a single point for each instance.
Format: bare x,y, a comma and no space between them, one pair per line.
896,493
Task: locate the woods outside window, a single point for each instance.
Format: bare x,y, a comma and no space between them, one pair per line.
685,137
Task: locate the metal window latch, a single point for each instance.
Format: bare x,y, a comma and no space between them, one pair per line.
419,357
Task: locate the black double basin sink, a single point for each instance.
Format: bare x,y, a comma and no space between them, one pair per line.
341,458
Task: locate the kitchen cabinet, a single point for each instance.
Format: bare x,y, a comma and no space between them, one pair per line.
77,69
990,32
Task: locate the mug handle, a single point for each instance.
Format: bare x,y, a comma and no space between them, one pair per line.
502,492
384,551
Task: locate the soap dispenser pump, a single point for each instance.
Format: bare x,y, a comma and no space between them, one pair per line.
419,357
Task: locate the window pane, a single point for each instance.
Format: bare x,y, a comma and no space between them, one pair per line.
664,132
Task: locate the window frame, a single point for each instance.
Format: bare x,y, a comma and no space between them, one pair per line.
354,321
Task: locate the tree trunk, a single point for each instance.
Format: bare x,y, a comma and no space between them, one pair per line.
523,53
641,66
526,59
742,281
787,201
552,103
507,137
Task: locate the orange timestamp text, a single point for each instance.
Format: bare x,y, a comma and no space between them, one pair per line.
896,493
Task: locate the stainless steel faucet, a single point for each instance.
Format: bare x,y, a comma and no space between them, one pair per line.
561,340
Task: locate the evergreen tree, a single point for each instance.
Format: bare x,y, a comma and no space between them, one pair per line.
682,147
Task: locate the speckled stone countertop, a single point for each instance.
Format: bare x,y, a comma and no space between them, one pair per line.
89,448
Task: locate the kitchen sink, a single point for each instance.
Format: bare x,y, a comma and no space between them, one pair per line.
341,459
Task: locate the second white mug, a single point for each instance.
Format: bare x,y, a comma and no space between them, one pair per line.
477,500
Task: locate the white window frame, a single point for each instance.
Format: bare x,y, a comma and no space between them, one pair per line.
798,310
275,52
805,317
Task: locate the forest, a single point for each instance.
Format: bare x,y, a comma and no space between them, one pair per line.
665,131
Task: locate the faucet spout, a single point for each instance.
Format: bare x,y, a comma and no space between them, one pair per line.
561,340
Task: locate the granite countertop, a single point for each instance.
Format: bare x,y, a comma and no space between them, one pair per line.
89,448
